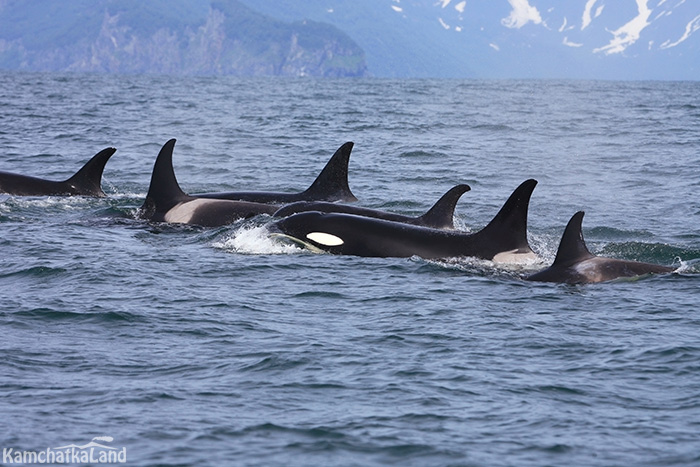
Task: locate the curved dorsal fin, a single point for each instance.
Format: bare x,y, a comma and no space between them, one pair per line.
441,215
88,180
332,183
572,248
508,229
164,191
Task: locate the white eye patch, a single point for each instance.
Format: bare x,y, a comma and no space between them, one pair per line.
325,239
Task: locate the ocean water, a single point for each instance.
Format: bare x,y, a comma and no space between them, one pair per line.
191,346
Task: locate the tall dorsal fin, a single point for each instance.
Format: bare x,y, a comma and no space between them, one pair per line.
441,215
508,229
88,180
164,191
572,248
332,183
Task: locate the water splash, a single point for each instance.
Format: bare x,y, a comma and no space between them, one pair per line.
461,224
545,246
688,267
254,240
61,203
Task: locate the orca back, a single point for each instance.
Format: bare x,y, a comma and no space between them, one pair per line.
575,264
330,185
440,216
85,182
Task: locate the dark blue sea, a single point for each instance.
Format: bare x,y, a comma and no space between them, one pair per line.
221,346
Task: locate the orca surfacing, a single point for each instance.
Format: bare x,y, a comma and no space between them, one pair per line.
574,264
330,185
86,182
440,216
505,237
166,202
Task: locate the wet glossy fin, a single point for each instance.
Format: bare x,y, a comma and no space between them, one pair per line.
88,180
572,248
441,215
332,183
164,191
508,229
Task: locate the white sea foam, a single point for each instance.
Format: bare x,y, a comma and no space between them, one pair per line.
688,267
255,240
460,224
545,246
486,267
65,203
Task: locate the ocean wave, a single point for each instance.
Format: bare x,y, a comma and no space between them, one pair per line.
39,272
51,314
660,253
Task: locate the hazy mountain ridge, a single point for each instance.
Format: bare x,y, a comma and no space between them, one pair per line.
597,39
178,37
629,39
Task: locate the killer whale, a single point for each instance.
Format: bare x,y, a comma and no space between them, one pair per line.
440,216
166,202
574,264
331,184
85,182
504,239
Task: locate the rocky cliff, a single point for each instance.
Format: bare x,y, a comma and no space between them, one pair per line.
169,37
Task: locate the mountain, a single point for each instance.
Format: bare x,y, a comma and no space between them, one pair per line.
604,39
583,39
169,36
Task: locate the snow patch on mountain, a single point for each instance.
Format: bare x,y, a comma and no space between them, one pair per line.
628,39
693,26
587,18
629,33
568,43
521,14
